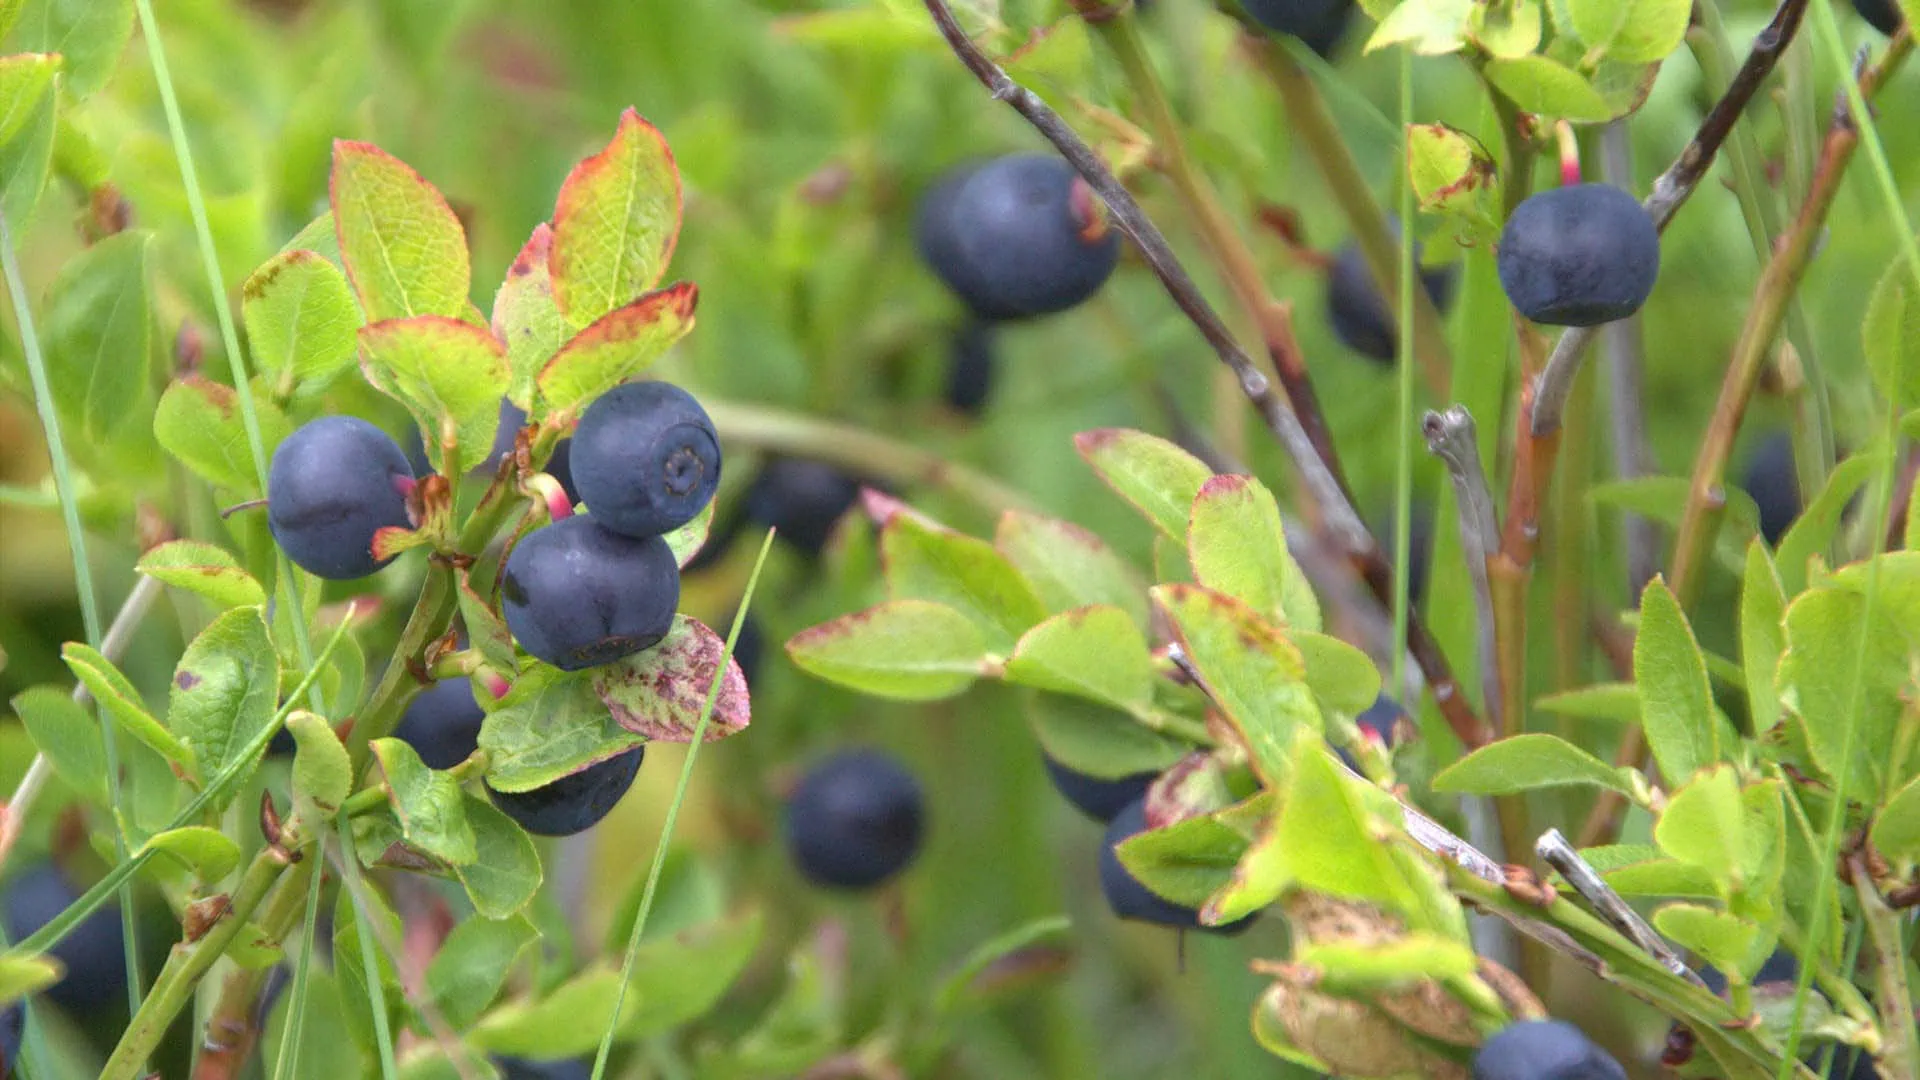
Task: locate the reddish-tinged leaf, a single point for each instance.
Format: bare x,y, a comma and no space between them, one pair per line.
618,347
391,540
615,223
526,317
440,368
403,247
660,692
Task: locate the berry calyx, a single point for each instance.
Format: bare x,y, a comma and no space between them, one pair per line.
332,485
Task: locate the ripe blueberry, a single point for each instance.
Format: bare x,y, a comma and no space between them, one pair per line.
1098,798
578,596
1318,23
573,803
1771,480
970,370
1882,15
646,458
1579,256
333,484
1380,719
1128,898
513,1068
801,499
1360,316
1017,236
854,820
1544,1050
442,723
94,953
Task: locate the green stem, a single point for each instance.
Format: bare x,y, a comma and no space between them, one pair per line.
431,614
230,1030
1900,1049
186,965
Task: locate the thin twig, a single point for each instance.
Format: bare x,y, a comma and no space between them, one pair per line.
1341,520
1450,437
1899,1055
1554,850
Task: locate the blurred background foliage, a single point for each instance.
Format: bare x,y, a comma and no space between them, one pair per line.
805,132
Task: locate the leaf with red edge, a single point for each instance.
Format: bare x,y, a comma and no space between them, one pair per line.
615,223
618,347
660,692
441,369
526,317
391,540
404,249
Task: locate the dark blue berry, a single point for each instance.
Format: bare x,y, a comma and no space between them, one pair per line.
1544,1050
513,1068
442,723
970,368
801,500
573,803
854,820
1579,256
93,953
1360,316
578,596
1128,898
1099,799
333,484
646,458
1380,719
1318,23
1771,480
1017,236
1882,15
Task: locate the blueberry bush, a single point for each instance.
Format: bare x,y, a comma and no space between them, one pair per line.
1089,614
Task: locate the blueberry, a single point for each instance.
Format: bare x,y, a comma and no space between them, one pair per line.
1772,482
970,370
1360,316
1579,256
94,952
1017,236
573,803
1380,718
1095,797
512,419
333,484
578,596
513,1068
1882,15
854,820
801,499
1128,898
1544,1050
1318,23
442,723
649,458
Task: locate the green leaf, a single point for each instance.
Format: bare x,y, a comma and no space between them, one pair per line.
1358,965
617,347
1703,824
1539,85
1615,701
1641,870
123,703
426,803
926,562
661,692
1896,828
1454,176
1255,674
913,650
1812,532
1158,478
1069,567
68,736
1631,31
24,81
1826,681
548,726
209,853
322,771
1098,741
1186,862
1676,703
27,159
486,630
1763,636
615,223
1525,762
1428,27
203,569
1764,830
687,540
1236,546
443,370
473,964
356,990
23,975
301,317
225,691
1723,940
507,873
1341,677
526,317
675,980
98,336
1324,840
199,421
1096,653
1507,29
403,248
89,35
